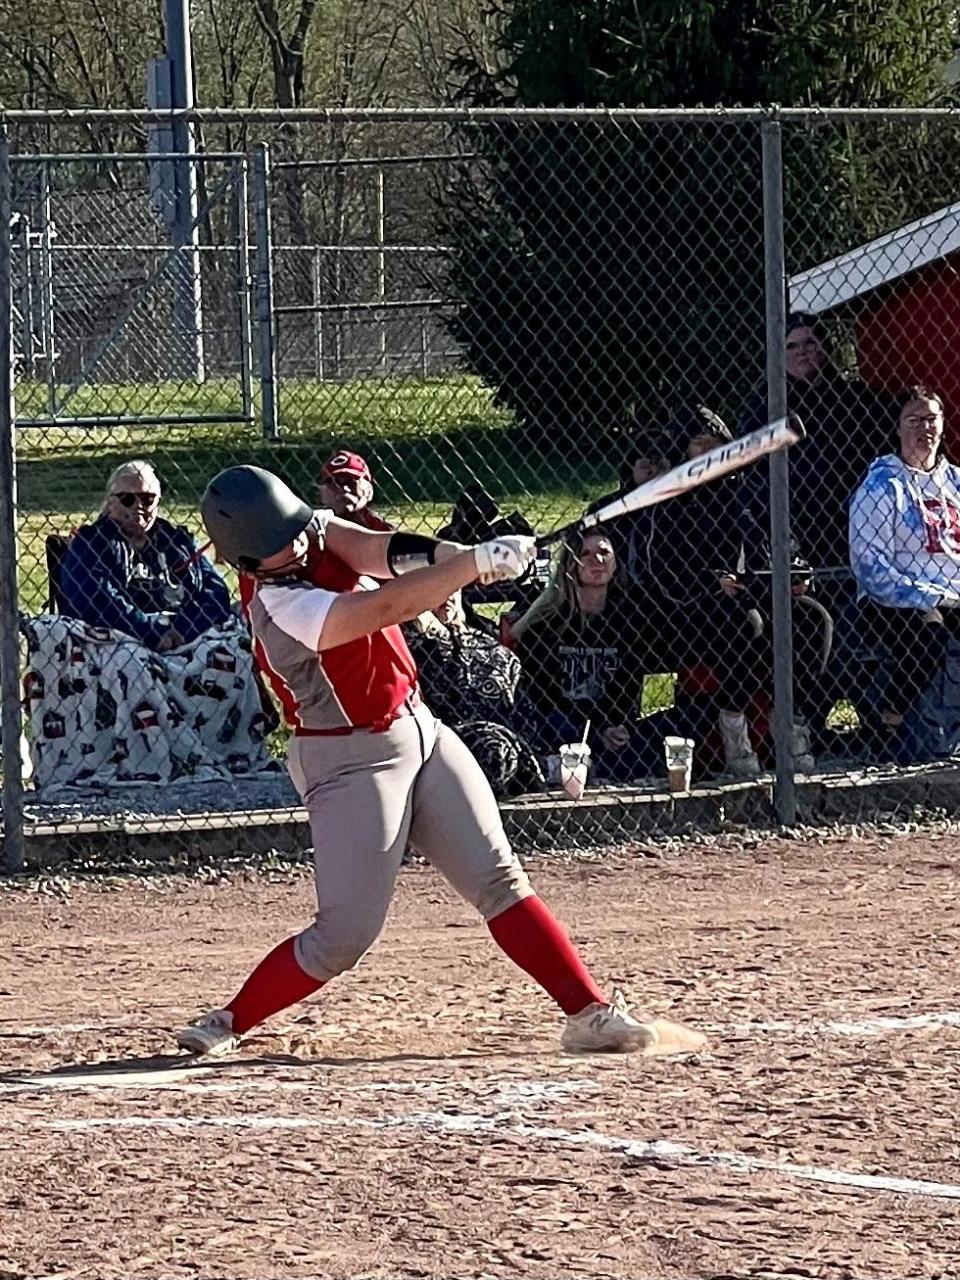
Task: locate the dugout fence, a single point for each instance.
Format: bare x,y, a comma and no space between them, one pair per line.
508,315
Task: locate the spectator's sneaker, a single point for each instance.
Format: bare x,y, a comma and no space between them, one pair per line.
739,758
803,761
743,766
610,1028
211,1034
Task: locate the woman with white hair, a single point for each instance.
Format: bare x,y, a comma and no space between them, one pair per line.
133,571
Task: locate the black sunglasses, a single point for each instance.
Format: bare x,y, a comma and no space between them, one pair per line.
145,500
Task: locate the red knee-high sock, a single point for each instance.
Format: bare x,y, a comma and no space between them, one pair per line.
535,940
276,983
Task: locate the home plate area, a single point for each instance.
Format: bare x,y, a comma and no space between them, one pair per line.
419,1120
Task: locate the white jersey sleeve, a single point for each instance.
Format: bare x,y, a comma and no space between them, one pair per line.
299,610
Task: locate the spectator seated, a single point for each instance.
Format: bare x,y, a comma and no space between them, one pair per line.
470,681
905,555
576,645
134,572
691,608
346,489
147,675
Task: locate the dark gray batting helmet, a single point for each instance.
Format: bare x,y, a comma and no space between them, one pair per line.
251,514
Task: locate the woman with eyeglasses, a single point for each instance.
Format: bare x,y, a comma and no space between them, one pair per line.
135,572
905,556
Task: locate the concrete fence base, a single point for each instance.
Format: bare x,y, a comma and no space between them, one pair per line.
534,823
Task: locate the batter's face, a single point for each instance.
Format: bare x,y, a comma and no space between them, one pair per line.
288,559
597,563
805,355
345,494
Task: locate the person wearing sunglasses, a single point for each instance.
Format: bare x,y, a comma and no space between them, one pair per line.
135,572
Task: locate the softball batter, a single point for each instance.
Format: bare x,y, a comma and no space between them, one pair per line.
373,766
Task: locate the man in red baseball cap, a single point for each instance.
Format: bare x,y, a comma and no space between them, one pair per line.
346,489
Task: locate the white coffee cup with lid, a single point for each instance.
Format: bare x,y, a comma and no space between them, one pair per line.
679,754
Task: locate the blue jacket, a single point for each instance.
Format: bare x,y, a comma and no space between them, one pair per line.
905,535
106,582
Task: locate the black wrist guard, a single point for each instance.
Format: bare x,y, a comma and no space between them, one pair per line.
408,551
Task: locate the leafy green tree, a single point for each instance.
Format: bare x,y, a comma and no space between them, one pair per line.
612,271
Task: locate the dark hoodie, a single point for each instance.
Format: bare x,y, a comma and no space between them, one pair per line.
847,426
584,665
678,549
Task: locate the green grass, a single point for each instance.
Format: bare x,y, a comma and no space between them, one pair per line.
425,439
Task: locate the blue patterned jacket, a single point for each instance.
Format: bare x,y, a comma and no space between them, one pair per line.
905,534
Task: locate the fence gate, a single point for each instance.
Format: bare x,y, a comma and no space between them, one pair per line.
131,304
357,260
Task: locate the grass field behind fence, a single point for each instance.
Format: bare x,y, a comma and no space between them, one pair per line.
425,440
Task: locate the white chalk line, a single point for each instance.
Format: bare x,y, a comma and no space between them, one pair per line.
660,1151
865,1027
199,1081
28,1032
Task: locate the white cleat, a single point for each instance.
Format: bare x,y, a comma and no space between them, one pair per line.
606,1028
211,1034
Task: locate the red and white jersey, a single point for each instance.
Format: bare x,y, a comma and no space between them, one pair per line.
360,683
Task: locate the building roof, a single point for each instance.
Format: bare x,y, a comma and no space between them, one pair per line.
881,261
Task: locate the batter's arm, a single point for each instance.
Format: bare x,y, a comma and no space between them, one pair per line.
361,613
384,555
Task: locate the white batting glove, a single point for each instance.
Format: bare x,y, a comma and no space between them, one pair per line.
504,558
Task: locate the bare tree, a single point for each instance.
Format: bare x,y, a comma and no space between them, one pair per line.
441,36
75,54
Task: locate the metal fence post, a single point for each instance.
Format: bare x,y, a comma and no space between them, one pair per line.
317,283
12,855
381,271
47,300
785,794
265,316
244,281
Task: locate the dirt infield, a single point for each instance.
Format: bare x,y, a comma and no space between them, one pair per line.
418,1119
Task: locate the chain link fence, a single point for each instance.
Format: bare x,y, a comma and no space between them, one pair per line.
494,320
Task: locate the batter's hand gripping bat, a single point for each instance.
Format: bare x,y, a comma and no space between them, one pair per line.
726,457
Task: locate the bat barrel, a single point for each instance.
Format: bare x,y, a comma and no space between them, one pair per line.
718,462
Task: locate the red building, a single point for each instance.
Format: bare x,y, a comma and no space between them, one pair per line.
902,293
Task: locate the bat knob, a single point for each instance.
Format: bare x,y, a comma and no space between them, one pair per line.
795,425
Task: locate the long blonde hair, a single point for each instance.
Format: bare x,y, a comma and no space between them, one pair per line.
562,597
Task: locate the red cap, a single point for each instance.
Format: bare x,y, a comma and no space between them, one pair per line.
347,464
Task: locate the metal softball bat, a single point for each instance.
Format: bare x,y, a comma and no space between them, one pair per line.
726,457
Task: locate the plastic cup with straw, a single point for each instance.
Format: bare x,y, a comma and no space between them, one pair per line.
575,765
